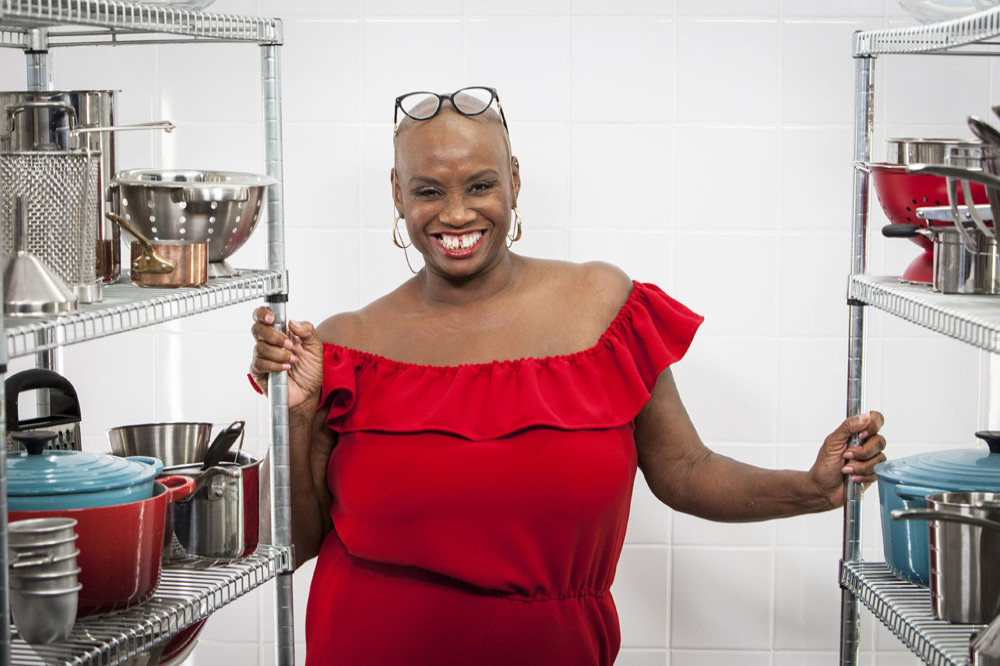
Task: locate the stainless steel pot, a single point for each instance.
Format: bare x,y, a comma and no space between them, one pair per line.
965,258
209,524
964,538
912,150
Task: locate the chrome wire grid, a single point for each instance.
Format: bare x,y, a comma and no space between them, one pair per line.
974,320
182,598
126,307
121,18
932,37
905,609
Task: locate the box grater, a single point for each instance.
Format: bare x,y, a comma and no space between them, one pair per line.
63,413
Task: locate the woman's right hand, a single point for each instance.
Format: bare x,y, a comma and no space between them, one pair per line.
299,353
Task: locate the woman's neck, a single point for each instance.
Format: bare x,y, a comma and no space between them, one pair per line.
439,290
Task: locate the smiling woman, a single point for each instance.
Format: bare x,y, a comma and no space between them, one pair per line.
464,448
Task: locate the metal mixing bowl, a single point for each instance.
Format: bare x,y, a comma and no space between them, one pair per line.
44,617
218,207
176,443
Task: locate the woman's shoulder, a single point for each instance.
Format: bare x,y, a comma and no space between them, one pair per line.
594,286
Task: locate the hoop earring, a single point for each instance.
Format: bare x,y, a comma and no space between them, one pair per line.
397,238
515,232
397,241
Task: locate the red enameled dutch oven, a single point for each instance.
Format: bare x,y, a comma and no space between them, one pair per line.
120,546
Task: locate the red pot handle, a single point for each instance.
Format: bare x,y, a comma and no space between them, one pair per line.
178,487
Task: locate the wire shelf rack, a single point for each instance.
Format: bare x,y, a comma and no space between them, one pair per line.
975,29
183,597
905,609
114,21
974,320
126,307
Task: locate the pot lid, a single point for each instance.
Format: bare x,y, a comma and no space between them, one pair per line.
37,472
953,470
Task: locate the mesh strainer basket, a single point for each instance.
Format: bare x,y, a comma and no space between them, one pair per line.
61,191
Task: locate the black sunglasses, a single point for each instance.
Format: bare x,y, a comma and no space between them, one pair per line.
470,101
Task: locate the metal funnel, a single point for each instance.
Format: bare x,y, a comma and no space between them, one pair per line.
30,288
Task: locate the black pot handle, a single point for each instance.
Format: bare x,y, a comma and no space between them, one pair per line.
64,406
900,230
992,439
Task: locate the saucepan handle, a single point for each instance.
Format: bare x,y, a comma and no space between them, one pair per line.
945,516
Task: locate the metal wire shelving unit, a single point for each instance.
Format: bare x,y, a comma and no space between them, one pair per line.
184,596
904,608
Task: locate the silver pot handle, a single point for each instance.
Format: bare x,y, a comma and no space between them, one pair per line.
944,516
14,109
164,125
205,477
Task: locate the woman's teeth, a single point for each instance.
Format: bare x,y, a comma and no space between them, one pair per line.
459,242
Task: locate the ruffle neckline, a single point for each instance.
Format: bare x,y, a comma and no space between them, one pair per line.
602,386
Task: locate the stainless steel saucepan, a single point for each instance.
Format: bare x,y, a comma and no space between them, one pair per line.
964,538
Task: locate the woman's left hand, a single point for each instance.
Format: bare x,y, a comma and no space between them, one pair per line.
838,458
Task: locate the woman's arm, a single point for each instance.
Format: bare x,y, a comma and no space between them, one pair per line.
684,474
312,442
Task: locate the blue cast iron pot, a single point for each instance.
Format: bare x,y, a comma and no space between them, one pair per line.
46,480
905,483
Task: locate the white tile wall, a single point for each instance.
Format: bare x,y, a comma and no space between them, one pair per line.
704,146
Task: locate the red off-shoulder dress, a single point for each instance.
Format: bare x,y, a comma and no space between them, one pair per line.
479,510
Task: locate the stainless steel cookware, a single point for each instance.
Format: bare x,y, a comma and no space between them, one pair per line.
221,208
964,263
964,539
30,288
985,647
62,191
175,443
209,524
913,150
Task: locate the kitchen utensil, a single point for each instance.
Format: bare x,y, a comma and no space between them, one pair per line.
964,538
904,483
209,524
165,263
62,190
175,443
900,193
48,581
222,443
218,207
931,11
250,475
45,120
41,530
42,480
43,617
28,555
62,417
30,288
983,130
914,150
958,267
120,546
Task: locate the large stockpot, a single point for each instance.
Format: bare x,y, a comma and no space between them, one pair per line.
964,536
120,546
42,120
905,483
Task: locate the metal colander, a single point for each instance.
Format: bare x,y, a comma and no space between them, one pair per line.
61,191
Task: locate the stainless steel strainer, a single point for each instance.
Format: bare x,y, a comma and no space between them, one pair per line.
63,212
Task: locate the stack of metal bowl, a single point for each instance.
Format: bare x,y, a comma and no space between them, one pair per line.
43,577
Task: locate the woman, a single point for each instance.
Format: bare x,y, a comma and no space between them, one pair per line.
464,448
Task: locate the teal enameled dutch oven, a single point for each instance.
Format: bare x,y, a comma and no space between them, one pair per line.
905,483
40,480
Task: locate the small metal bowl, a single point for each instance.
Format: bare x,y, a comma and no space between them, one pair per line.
44,617
65,546
45,582
27,564
40,530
